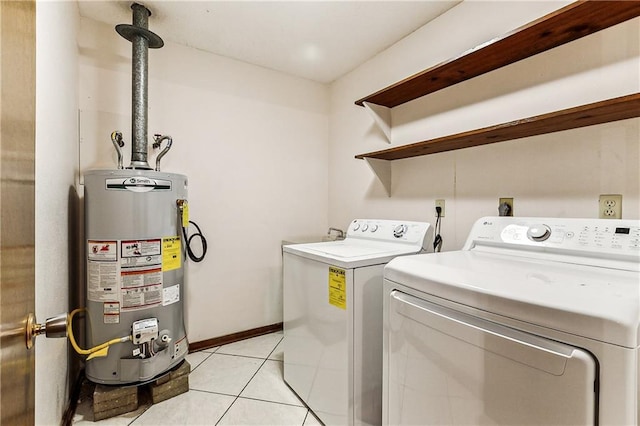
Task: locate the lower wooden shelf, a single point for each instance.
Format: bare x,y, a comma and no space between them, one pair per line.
601,112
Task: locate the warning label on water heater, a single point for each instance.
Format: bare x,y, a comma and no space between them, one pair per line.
140,253
127,275
111,312
102,270
141,273
171,258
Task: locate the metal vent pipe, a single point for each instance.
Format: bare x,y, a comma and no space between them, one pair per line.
141,39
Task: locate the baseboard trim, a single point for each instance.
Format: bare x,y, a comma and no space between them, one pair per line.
234,337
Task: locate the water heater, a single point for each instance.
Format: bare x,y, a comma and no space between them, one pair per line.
134,227
135,272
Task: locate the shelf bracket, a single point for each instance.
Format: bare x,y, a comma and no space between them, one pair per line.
382,170
381,116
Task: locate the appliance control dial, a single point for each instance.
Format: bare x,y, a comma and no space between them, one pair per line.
399,230
356,226
365,227
374,228
538,232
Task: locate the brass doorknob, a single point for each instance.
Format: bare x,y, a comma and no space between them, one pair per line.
32,329
53,327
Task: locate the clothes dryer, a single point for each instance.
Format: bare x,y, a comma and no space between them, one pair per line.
534,321
333,317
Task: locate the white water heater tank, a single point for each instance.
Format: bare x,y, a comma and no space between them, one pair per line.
135,273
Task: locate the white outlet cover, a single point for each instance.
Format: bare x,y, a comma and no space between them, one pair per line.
610,206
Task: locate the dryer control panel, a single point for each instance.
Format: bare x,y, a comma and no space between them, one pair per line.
594,238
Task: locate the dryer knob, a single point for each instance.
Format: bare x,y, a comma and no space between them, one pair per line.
399,231
538,232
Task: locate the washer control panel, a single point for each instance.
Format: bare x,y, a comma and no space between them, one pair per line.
600,237
390,231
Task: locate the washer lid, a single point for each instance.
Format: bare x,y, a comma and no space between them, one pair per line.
351,253
594,302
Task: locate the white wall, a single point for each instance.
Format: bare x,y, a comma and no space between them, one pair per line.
560,174
56,162
253,143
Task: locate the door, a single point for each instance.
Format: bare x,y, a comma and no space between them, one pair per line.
448,368
17,182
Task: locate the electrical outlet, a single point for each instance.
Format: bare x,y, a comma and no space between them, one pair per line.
610,206
440,203
505,206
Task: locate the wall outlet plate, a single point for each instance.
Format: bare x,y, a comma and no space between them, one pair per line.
610,206
508,202
440,203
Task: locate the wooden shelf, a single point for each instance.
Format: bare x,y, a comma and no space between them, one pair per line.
572,22
609,110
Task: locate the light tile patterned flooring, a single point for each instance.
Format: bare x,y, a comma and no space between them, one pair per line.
236,384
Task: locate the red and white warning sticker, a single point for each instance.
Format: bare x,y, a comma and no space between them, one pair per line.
111,312
141,274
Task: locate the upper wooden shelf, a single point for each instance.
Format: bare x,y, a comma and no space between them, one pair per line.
585,115
572,22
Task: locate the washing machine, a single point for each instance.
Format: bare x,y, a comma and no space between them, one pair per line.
534,321
332,341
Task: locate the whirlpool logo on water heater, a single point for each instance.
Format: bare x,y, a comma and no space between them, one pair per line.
138,184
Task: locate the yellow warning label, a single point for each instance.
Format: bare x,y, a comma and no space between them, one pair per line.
185,214
337,288
171,258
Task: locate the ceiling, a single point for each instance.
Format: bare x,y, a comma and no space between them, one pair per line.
316,40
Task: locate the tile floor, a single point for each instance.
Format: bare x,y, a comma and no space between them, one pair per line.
236,384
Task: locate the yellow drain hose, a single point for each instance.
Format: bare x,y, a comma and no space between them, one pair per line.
97,351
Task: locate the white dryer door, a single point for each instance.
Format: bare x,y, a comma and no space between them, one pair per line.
444,367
